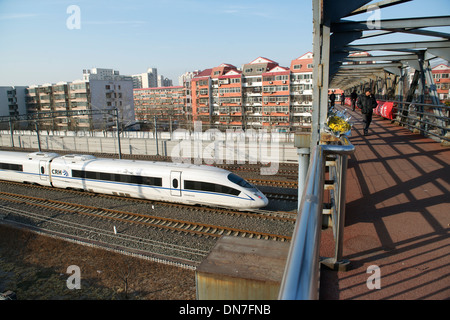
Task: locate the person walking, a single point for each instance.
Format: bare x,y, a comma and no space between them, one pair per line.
367,103
342,98
332,99
353,98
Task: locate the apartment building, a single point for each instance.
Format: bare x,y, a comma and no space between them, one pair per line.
226,96
187,77
164,81
252,92
100,90
201,93
261,94
167,104
185,81
276,98
12,100
148,79
441,76
12,103
301,92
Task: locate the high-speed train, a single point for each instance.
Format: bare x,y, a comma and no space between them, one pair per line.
160,181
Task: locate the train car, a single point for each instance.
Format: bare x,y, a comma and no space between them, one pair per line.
161,181
26,167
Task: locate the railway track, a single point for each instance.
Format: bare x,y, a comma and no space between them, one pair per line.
273,183
172,238
130,248
281,196
258,214
172,225
285,171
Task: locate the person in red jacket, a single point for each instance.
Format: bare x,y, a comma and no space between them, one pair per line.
367,103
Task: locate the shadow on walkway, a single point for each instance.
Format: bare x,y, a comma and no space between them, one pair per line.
397,217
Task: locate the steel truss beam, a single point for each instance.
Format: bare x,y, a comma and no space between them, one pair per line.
399,46
380,5
391,57
391,24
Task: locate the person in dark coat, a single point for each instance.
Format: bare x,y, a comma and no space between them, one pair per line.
353,98
343,98
332,99
367,103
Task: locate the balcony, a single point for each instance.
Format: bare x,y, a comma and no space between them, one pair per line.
252,84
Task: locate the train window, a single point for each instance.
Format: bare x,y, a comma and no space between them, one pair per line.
125,178
152,181
105,176
42,170
115,177
210,187
11,166
175,183
239,181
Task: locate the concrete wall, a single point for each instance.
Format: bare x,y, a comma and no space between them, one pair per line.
182,146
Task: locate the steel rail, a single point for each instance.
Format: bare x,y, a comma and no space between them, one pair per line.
258,214
123,249
142,219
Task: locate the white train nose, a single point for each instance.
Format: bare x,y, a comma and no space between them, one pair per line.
265,201
260,200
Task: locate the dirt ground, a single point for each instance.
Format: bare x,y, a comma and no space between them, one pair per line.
35,267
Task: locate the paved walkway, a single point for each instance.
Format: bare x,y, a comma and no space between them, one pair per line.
397,217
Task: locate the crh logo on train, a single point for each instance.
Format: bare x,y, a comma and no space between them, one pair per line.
60,172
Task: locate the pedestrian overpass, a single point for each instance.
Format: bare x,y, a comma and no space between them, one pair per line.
389,191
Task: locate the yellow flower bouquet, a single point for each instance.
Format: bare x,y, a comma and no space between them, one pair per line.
338,124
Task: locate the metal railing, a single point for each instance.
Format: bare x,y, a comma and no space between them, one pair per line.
301,277
429,119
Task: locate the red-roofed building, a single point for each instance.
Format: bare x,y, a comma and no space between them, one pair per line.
275,97
261,94
201,96
227,99
301,92
252,91
441,76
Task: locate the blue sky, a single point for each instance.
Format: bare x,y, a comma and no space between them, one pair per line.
174,36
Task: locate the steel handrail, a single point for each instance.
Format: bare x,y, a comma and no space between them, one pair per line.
417,103
301,277
435,121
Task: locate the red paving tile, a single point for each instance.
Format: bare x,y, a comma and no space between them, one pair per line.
397,217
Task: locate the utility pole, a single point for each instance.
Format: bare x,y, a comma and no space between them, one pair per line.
12,131
118,132
37,133
156,138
